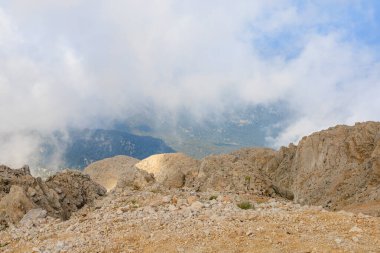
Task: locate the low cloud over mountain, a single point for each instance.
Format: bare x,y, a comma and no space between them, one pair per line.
85,64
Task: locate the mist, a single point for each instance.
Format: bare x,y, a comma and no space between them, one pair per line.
88,64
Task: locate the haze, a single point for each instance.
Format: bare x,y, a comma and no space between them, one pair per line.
88,64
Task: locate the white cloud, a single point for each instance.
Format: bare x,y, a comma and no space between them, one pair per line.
70,64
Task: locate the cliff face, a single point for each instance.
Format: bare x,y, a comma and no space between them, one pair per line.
337,168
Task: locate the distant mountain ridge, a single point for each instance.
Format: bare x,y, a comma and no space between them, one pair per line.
83,147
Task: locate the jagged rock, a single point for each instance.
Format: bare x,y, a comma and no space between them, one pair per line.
107,172
337,168
28,187
238,171
170,170
135,179
15,205
75,189
60,195
33,215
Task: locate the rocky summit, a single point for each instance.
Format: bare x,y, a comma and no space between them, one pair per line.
322,195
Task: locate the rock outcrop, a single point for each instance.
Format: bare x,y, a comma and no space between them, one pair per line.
337,168
171,170
60,195
240,171
108,171
74,189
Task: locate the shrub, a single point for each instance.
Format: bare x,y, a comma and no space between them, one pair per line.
213,197
245,205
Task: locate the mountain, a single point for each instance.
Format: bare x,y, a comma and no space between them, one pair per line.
256,199
79,148
240,127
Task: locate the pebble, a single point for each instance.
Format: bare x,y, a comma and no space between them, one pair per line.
355,229
196,206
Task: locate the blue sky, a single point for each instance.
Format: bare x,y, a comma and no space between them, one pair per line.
76,63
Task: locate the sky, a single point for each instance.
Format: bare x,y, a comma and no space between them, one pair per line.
82,64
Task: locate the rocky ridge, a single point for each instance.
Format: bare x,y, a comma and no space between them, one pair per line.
256,199
338,168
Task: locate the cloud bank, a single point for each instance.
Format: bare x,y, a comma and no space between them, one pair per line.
81,63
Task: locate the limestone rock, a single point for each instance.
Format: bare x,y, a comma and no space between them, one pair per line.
337,168
15,205
107,172
135,179
59,196
238,171
75,189
171,170
32,216
27,189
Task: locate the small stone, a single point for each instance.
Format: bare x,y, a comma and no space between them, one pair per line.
32,192
361,215
180,250
196,206
175,200
355,229
33,215
181,202
191,199
227,199
249,233
355,239
125,209
172,208
166,199
338,240
60,246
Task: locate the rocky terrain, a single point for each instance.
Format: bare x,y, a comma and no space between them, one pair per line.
321,195
58,196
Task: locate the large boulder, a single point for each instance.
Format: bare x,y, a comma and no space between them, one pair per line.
75,190
171,170
108,172
14,206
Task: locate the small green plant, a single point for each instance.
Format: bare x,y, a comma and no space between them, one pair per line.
3,244
247,181
245,205
133,201
213,197
155,191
